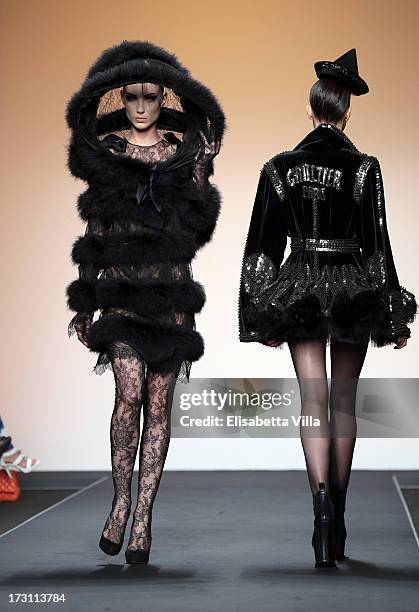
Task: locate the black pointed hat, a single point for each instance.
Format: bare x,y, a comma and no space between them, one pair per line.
345,70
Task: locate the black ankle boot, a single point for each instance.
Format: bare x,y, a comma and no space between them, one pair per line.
338,499
323,540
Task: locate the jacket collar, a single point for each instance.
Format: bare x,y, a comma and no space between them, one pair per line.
325,136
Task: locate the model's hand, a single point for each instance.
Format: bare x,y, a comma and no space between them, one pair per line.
82,324
401,341
273,342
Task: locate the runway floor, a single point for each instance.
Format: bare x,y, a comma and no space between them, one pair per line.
230,541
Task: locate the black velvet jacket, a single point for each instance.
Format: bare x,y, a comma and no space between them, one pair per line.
340,277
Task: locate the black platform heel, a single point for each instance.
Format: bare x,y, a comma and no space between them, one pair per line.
108,546
338,499
323,540
139,555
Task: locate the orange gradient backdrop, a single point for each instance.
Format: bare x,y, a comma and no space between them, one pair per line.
258,60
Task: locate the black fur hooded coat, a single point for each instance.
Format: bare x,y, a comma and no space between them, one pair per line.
340,279
145,218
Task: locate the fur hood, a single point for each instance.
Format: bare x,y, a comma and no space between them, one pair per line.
96,117
95,110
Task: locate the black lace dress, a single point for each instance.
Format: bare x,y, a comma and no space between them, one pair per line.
159,320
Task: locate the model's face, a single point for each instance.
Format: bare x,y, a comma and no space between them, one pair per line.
142,103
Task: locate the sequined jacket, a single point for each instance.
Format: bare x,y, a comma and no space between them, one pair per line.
328,197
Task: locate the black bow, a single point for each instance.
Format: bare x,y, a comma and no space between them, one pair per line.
145,189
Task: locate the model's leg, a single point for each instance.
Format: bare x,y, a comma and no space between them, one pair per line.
154,445
347,360
129,374
309,359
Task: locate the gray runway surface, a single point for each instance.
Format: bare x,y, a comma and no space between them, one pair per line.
221,541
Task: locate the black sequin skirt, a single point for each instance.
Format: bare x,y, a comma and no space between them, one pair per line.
320,295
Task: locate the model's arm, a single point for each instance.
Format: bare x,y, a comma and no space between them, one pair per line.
378,255
265,244
204,162
81,293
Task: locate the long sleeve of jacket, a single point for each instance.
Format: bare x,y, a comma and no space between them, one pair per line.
81,292
378,255
264,250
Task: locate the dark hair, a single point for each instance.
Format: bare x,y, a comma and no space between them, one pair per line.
329,99
159,85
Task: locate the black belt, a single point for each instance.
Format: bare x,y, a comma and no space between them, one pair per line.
340,245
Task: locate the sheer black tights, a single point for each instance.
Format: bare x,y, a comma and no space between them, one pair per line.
328,449
134,387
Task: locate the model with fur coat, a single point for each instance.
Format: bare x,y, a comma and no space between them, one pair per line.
144,133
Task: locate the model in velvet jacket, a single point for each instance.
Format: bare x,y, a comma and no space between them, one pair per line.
144,133
338,286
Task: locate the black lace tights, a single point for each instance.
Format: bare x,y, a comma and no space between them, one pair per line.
134,387
329,450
